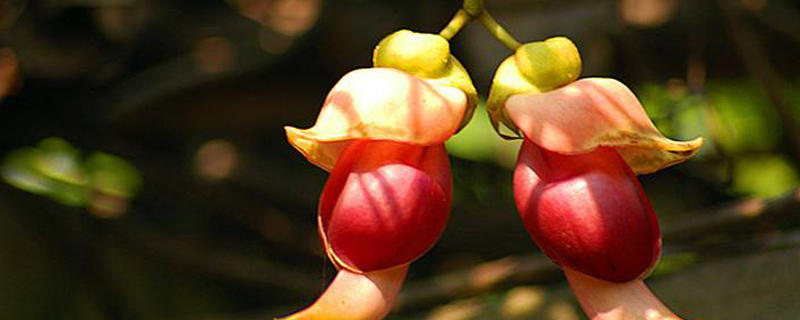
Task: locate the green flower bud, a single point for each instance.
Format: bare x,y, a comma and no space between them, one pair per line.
549,64
508,81
420,54
535,67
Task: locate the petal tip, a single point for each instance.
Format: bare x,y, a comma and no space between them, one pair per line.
315,151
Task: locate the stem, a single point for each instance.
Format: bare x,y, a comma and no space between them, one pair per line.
603,300
355,296
454,26
497,31
473,7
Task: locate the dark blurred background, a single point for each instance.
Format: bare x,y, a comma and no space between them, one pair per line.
146,174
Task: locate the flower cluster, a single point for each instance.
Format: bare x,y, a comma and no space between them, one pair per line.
381,133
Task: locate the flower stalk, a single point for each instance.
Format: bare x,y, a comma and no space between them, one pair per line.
498,31
603,300
473,9
355,296
454,26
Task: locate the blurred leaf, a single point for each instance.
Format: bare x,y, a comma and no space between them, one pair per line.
113,182
764,175
674,262
478,142
112,175
51,170
59,160
54,169
749,122
18,170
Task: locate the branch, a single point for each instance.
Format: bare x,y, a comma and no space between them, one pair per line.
233,267
735,216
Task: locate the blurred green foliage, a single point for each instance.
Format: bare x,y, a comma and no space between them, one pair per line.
55,169
741,130
479,142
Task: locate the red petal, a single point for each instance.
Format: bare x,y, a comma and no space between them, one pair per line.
587,212
385,204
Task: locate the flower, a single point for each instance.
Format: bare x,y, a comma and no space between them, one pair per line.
575,181
381,133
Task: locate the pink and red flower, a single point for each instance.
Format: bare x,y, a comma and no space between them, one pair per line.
575,182
381,133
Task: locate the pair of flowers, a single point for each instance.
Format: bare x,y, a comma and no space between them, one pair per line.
381,134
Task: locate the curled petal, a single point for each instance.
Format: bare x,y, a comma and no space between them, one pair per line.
594,112
603,300
354,296
380,104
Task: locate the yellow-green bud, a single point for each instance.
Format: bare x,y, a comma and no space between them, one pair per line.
420,54
549,64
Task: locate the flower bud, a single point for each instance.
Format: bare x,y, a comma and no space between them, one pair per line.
549,64
534,68
385,204
421,54
587,212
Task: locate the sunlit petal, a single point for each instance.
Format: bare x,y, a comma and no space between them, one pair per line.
596,112
380,104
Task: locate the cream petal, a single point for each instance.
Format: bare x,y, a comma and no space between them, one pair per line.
596,112
380,104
